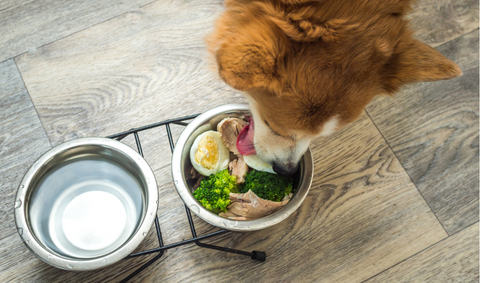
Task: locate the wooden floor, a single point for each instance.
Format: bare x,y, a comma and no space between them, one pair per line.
395,196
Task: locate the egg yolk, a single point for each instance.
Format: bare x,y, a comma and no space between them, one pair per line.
207,152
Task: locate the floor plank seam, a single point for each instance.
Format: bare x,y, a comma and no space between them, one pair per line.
11,58
143,5
410,177
415,254
464,34
73,33
33,104
11,8
47,43
1,239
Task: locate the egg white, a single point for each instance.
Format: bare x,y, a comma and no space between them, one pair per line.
223,154
257,163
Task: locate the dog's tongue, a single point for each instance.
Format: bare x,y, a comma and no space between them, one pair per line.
245,140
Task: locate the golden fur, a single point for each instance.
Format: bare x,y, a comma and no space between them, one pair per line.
303,62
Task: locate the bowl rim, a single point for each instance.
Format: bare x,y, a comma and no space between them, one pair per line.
216,220
23,228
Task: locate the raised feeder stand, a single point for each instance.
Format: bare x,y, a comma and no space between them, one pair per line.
255,255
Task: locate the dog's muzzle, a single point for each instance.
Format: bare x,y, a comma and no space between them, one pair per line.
290,169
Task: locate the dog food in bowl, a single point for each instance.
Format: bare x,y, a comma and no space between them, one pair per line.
86,203
186,183
249,189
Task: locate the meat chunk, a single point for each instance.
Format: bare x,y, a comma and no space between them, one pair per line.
197,183
239,168
229,128
249,206
194,175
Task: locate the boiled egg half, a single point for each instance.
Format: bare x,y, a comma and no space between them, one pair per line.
208,154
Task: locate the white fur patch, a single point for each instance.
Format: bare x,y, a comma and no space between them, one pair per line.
329,127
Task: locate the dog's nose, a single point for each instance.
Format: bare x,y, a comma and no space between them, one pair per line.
290,169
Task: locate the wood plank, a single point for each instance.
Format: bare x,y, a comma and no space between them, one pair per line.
26,25
6,5
22,140
362,216
23,266
153,59
454,259
433,129
438,21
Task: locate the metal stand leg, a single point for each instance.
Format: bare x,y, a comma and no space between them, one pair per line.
143,267
256,255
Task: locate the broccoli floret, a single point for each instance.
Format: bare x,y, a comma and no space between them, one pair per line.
267,185
214,190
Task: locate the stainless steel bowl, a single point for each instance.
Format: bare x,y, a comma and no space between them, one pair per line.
181,167
86,203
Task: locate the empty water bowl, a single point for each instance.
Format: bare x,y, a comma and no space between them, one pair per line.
86,204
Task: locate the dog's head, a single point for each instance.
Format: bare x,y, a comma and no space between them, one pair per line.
310,70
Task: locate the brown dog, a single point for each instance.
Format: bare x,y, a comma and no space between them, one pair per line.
310,67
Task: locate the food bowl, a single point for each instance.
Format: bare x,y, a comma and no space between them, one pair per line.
181,168
86,203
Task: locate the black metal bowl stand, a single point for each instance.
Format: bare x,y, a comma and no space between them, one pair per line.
255,255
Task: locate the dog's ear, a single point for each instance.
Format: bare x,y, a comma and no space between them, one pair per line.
414,61
251,58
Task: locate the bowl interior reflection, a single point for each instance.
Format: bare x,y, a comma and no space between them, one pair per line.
87,203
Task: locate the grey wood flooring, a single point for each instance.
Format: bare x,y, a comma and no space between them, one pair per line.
395,194
433,129
454,259
22,139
